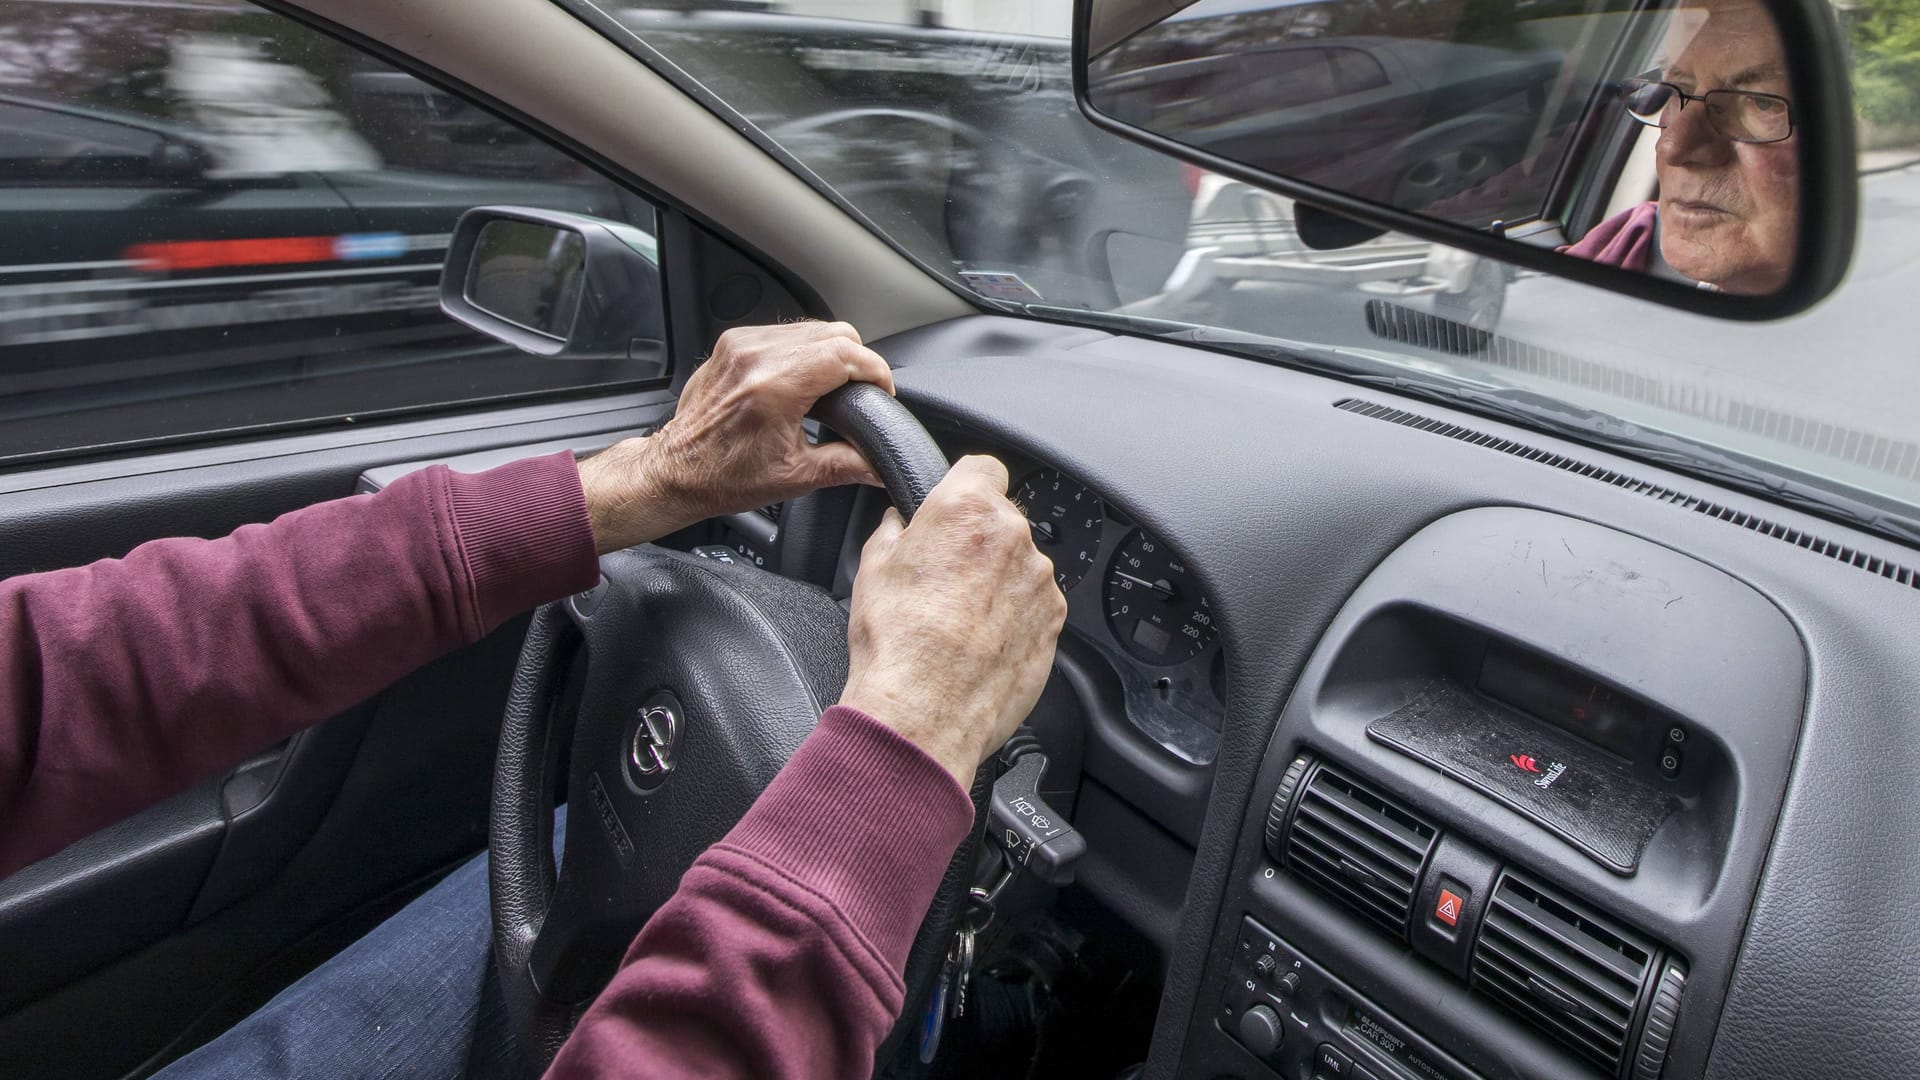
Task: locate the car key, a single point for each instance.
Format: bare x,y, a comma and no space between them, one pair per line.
949,999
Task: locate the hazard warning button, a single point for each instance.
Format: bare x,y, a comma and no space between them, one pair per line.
1452,901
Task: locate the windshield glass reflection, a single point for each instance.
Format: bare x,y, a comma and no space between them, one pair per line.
954,132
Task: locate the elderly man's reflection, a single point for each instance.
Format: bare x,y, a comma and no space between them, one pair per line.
1728,212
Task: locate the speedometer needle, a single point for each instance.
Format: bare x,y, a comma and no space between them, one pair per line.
1161,587
1043,530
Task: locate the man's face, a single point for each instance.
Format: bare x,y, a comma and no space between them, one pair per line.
1729,211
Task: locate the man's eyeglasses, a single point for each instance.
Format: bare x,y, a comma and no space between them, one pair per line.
1740,115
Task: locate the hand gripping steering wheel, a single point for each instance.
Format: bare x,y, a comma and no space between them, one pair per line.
671,694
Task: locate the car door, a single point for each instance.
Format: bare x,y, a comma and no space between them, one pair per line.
182,353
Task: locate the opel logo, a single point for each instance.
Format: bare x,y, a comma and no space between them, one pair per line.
653,750
653,740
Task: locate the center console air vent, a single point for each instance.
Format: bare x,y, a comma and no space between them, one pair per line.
1576,975
1358,846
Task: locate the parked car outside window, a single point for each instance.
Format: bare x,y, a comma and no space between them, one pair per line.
221,220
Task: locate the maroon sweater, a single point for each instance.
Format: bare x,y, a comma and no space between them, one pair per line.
1626,239
126,681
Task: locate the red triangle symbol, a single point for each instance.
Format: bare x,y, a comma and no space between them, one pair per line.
1449,911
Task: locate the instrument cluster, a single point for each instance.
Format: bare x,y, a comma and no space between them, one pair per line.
1133,599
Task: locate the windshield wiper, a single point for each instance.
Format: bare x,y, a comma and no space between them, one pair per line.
1528,409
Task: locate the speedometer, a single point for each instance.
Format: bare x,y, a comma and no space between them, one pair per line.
1066,520
1154,606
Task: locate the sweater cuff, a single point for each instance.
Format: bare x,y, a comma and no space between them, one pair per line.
867,820
524,534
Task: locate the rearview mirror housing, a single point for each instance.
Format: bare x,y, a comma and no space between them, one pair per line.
556,284
1576,139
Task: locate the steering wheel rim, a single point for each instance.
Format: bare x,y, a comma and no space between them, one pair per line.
523,883
906,458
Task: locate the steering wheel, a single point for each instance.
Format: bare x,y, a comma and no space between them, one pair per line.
671,694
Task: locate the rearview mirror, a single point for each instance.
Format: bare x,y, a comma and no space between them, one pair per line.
1699,153
556,284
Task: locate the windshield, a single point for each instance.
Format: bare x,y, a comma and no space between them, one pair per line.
952,129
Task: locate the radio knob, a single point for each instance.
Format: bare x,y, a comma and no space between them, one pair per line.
1260,1030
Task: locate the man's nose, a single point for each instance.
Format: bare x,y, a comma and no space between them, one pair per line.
1689,139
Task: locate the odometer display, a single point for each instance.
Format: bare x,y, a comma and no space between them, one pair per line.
1154,607
1066,520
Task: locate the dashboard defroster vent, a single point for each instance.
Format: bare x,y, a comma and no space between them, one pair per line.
1358,846
1898,573
1574,974
1708,398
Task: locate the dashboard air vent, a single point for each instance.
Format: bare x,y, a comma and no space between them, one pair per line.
1576,975
1360,847
1898,573
1409,327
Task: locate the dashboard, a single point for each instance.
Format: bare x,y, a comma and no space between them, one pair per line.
1462,664
1493,756
1419,746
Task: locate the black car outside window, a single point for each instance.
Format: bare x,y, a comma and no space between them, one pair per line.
221,221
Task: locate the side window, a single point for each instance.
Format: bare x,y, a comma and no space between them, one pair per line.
1187,89
1288,78
1192,93
219,220
1356,71
43,143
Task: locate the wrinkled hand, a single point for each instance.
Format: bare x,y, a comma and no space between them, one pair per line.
735,441
954,620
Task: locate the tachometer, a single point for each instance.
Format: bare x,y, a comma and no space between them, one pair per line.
1154,606
1066,520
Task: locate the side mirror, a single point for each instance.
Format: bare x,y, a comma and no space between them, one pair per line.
556,284
1697,153
173,160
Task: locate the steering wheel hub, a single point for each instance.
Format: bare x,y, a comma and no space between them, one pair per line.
654,748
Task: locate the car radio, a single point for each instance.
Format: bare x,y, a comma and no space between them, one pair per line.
1301,1021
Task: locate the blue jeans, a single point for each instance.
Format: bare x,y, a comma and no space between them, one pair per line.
416,998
